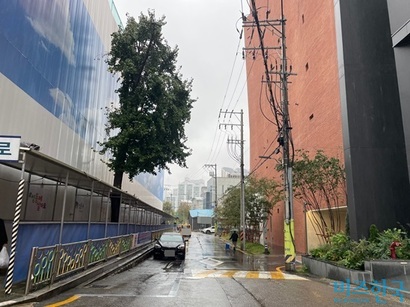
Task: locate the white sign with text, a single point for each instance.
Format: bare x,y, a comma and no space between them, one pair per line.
9,148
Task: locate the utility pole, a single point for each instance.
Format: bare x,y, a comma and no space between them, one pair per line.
240,159
281,114
290,252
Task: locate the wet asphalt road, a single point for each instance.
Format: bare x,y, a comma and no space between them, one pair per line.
213,276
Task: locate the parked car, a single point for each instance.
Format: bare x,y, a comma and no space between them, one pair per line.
170,244
208,230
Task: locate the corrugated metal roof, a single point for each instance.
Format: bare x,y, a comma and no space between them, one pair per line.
45,166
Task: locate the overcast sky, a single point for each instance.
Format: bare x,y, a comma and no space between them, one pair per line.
210,52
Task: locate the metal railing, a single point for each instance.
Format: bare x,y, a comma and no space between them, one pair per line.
52,263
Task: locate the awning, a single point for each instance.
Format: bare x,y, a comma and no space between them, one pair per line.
44,166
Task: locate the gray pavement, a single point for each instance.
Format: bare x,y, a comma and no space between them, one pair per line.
257,262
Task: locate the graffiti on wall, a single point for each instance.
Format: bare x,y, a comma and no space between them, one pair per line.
38,200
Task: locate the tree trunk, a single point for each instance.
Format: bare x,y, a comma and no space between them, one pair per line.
116,198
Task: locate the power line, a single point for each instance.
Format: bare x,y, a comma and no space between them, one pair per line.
279,110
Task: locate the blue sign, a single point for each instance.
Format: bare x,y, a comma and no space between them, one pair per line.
360,293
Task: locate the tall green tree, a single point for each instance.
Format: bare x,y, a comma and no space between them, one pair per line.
146,130
228,211
183,212
168,208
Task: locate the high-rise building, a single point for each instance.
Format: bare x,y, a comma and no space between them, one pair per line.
55,84
54,90
189,189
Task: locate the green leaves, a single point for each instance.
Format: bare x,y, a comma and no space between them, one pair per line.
352,254
167,207
319,182
146,130
261,194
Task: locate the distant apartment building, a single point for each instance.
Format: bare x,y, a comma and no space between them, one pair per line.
197,203
188,190
229,178
201,196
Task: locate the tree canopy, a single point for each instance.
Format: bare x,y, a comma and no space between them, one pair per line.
167,207
320,182
146,129
261,194
183,212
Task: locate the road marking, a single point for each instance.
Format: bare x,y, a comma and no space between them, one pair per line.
276,275
65,302
240,274
228,274
175,286
244,274
293,276
211,262
252,274
203,274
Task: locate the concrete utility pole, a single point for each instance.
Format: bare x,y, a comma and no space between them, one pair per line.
281,113
290,252
240,159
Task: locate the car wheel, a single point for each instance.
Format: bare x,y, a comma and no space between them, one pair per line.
208,232
156,257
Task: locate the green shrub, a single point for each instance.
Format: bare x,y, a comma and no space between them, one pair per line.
340,243
352,254
403,251
373,233
320,251
381,246
254,248
355,257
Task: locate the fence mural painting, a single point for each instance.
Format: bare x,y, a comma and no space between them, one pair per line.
51,263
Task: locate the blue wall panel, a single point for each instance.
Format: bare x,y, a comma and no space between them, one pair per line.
55,55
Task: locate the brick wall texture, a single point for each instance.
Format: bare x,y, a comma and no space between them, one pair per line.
314,99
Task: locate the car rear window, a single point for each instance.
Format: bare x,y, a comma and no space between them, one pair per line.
170,237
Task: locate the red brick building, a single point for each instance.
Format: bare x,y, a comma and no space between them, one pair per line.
342,84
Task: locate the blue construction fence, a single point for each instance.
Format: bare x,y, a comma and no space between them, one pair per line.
46,234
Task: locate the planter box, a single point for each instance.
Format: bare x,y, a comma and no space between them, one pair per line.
387,268
331,271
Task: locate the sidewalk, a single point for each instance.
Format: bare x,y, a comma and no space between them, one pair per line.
120,263
398,285
97,272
